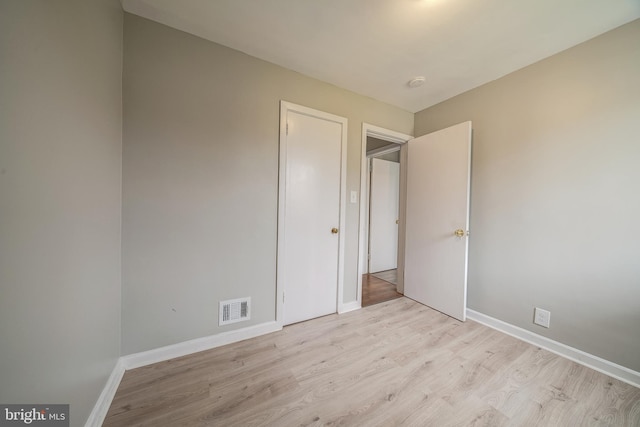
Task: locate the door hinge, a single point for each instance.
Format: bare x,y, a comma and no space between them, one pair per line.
286,132
283,297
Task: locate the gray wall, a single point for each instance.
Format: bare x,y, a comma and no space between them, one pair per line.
200,176
374,143
392,157
556,194
60,163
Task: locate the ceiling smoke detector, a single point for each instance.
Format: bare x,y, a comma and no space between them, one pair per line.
416,81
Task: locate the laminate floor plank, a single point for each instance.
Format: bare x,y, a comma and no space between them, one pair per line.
391,364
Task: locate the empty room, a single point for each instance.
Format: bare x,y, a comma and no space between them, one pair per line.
193,196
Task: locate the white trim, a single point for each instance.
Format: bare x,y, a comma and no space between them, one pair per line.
184,348
285,107
386,135
350,306
280,249
589,360
468,221
137,360
100,409
343,215
364,258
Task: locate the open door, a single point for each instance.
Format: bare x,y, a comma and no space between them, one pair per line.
383,214
437,219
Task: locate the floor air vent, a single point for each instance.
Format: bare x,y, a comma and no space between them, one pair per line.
235,310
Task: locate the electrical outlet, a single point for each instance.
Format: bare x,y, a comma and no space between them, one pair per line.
541,317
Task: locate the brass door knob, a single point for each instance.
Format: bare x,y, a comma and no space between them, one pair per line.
459,232
334,230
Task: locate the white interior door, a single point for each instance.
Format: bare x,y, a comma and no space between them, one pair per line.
383,215
310,250
438,183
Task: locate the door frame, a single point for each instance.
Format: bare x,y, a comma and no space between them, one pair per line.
370,157
396,138
285,107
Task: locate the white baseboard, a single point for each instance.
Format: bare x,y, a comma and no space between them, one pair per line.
589,360
161,354
100,409
350,306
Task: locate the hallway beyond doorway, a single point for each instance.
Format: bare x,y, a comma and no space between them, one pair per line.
390,276
376,289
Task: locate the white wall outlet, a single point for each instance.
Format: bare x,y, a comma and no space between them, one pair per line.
541,317
354,197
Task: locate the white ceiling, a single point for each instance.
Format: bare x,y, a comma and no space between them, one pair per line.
374,47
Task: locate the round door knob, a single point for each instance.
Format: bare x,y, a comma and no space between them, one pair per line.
334,230
459,232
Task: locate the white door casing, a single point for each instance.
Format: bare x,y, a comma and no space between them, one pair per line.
438,190
383,214
311,199
363,246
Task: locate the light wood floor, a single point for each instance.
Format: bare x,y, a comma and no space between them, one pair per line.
376,290
394,363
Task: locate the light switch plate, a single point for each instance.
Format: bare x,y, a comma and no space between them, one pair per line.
354,197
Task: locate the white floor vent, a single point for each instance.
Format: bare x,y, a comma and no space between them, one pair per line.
235,310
